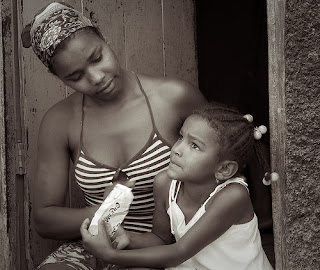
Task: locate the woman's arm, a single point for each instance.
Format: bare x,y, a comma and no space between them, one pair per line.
226,209
50,187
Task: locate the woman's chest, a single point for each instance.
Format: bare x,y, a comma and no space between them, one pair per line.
113,140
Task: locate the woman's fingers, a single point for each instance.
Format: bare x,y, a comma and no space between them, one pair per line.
120,239
84,228
103,228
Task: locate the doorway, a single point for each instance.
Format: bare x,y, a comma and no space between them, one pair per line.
232,52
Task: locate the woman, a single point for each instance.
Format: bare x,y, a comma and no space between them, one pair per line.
117,126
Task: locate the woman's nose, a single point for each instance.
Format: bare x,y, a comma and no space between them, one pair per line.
95,76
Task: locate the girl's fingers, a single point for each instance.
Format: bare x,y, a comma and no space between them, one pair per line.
107,191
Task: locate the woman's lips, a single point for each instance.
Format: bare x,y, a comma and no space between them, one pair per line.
105,88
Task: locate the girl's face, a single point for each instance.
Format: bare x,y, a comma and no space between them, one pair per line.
89,66
194,157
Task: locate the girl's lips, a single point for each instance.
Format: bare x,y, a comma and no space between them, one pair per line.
172,163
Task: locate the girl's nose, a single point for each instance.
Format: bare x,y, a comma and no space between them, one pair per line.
95,76
176,149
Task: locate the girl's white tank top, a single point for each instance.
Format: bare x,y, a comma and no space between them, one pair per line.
239,248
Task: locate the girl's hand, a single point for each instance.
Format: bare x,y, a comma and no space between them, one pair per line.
107,191
98,245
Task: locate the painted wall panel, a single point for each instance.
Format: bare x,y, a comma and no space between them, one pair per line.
143,36
179,40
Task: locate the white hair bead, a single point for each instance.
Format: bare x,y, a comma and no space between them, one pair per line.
270,177
257,134
262,129
266,182
274,177
249,117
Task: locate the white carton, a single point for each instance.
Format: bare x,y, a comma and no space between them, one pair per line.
113,209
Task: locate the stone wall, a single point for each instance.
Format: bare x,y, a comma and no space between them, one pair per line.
302,95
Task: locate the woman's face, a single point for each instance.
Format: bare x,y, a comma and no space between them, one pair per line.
194,157
88,65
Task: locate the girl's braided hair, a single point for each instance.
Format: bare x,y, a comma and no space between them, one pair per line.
234,132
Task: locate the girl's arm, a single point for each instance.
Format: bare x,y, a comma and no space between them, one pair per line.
161,233
52,218
226,209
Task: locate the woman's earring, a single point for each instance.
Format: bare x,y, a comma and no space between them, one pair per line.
218,181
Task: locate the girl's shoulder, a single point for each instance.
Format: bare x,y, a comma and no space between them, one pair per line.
235,192
162,181
234,199
161,186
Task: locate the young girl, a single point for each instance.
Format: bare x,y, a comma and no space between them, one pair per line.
202,199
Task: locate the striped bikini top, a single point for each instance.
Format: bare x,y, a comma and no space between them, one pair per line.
93,177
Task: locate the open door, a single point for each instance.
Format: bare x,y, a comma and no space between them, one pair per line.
233,69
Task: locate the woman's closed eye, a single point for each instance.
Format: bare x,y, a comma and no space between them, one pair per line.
76,78
97,59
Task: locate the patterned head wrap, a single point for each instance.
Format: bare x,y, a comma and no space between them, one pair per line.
54,24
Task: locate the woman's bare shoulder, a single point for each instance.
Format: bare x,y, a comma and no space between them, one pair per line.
169,87
62,121
64,109
172,100
175,95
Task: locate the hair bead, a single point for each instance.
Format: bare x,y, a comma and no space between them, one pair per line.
270,177
249,117
258,131
262,129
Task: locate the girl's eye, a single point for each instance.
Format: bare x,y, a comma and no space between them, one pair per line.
194,146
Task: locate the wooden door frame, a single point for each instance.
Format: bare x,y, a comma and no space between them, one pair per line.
14,208
276,27
4,238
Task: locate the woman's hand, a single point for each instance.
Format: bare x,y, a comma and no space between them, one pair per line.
98,245
120,239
